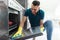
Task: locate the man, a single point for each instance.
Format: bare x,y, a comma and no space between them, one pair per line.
36,16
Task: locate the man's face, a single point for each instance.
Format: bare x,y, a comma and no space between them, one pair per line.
34,9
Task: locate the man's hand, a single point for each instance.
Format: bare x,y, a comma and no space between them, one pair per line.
18,33
41,28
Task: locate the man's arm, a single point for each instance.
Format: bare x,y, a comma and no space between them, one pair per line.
20,27
23,21
19,32
41,26
41,23
41,20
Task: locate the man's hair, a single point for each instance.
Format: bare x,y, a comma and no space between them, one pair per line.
36,3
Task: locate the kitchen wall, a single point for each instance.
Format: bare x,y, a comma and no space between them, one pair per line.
49,7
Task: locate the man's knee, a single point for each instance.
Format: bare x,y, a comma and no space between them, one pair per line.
48,23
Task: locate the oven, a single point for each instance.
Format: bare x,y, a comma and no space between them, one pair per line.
14,20
15,11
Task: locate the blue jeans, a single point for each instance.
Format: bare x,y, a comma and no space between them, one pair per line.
49,28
